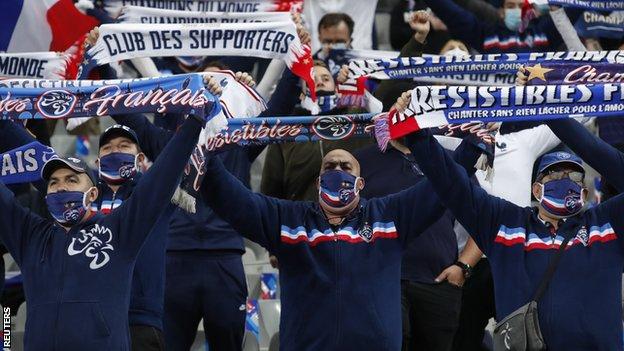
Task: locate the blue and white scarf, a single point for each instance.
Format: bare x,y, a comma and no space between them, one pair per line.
44,65
412,67
137,14
24,164
113,7
595,5
596,25
274,40
47,99
433,106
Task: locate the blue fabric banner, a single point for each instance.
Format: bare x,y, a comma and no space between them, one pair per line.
23,164
44,99
413,67
433,106
595,25
271,130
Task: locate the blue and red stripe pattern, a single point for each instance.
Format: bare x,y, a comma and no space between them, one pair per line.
515,42
385,230
518,236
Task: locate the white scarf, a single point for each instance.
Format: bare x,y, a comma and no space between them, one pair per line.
136,14
274,40
237,101
44,65
113,7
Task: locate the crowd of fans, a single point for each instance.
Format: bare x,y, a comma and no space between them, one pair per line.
336,294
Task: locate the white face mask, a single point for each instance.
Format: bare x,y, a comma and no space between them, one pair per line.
457,52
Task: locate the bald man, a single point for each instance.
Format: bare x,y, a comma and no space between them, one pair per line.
340,258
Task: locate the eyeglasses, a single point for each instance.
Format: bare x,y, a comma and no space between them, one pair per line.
574,176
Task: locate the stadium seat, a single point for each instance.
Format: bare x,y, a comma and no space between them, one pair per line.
250,343
270,311
274,344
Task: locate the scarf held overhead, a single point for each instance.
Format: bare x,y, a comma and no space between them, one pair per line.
433,106
45,65
596,5
274,40
23,164
271,130
136,14
113,7
45,99
450,68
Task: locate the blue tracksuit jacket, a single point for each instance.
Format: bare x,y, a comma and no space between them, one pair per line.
340,285
581,309
77,283
148,286
148,280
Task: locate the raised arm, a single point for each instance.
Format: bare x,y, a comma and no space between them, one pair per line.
152,139
604,158
13,136
418,207
18,225
253,215
153,193
462,24
477,211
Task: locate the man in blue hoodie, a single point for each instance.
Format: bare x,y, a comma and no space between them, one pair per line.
340,258
77,270
581,308
504,36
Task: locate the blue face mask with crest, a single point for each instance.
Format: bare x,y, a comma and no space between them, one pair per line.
562,197
337,188
117,167
67,207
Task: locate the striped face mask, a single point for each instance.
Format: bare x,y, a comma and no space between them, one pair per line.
117,167
338,188
562,197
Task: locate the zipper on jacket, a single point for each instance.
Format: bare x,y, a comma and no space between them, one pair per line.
553,235
61,285
337,270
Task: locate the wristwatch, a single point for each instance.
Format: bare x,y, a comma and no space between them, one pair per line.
465,268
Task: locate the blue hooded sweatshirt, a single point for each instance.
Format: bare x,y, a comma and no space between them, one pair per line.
340,285
77,283
148,282
581,309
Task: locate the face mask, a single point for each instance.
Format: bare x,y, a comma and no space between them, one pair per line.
513,18
67,207
338,188
542,8
325,102
562,197
457,52
117,167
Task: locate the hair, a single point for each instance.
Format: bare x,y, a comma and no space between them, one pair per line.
220,65
320,63
334,19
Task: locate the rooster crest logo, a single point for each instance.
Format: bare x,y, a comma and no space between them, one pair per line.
95,244
56,103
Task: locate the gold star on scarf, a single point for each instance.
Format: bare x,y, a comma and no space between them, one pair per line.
538,72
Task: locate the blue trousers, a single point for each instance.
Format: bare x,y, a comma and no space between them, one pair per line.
209,285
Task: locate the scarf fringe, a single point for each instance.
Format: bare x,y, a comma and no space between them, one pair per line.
184,200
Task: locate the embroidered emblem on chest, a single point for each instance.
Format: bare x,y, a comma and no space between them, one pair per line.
366,232
583,236
95,244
